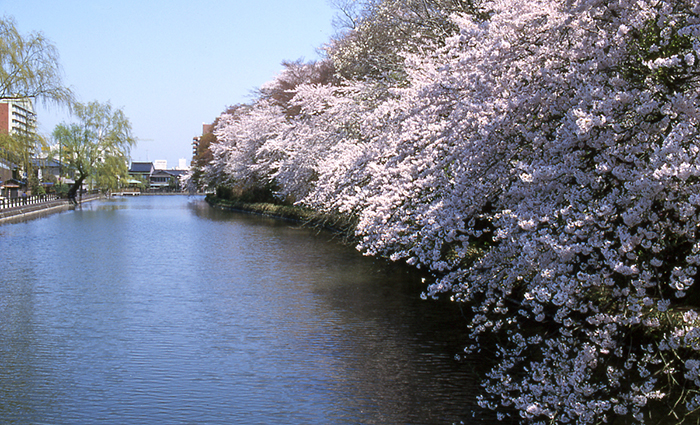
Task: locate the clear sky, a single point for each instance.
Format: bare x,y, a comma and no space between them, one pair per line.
171,65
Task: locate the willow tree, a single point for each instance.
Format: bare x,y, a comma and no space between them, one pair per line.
96,146
29,67
29,71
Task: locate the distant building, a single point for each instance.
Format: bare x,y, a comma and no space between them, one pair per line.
17,116
7,171
141,171
156,179
166,179
47,167
206,128
160,164
195,146
160,179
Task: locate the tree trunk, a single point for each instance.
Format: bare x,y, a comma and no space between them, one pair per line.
73,191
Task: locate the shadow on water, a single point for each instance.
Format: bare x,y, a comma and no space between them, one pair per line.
409,345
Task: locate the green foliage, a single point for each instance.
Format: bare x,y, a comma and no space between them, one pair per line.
249,195
14,149
98,145
61,190
110,172
18,149
341,225
204,155
35,185
29,70
29,67
658,42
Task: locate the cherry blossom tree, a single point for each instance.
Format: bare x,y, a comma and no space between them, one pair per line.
377,33
544,173
541,163
239,134
322,132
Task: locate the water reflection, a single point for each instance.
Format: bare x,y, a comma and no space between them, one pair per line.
161,309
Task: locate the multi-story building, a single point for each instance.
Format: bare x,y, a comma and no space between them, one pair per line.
206,128
17,116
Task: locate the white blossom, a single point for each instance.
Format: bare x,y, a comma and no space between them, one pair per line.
543,165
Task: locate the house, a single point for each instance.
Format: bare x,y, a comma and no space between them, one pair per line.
10,184
12,188
166,179
7,170
161,179
46,168
141,171
154,178
177,173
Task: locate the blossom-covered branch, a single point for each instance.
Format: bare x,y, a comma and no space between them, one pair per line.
542,162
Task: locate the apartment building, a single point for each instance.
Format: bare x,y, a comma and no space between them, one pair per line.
17,116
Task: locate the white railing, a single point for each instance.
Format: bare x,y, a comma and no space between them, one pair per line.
21,201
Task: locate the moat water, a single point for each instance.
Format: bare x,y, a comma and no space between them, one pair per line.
165,310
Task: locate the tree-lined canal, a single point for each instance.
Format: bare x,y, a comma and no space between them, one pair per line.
164,310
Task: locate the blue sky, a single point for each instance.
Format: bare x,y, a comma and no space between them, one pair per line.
171,65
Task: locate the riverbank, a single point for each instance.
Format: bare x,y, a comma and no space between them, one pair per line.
340,225
29,212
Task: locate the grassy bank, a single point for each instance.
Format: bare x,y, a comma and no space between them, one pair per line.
342,225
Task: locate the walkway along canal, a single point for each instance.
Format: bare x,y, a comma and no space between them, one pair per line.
17,209
165,310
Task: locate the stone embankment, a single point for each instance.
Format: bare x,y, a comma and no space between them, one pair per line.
30,211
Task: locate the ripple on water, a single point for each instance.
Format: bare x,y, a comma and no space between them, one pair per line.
162,310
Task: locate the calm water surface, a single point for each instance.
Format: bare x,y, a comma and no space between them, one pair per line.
163,310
